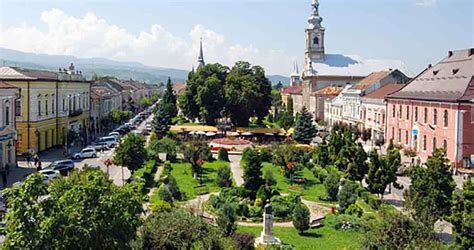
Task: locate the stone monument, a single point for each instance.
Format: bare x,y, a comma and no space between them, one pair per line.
267,237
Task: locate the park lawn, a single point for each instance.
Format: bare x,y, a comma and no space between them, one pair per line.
311,192
320,238
190,186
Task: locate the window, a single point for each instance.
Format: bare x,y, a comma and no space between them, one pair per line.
52,106
408,113
434,144
39,107
400,112
424,142
393,111
406,137
64,104
316,40
383,118
7,115
18,107
425,116
399,135
435,116
445,118
416,114
393,133
46,105
445,145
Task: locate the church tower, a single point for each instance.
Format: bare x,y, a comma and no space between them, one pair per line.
201,62
314,51
295,76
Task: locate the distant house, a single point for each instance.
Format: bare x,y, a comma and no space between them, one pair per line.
179,88
373,110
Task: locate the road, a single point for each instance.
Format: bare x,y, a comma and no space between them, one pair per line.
19,173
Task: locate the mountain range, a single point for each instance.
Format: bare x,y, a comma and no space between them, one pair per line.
101,67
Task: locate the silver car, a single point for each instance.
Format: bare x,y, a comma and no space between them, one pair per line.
86,153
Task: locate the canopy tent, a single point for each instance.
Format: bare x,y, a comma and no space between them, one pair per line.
190,128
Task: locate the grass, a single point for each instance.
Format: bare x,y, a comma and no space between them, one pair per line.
190,186
324,237
311,191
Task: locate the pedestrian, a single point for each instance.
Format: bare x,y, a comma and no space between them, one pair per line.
36,159
7,168
28,159
38,168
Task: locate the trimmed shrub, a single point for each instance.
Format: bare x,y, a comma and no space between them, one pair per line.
222,155
265,155
224,176
354,210
160,206
301,217
243,241
332,186
320,173
346,222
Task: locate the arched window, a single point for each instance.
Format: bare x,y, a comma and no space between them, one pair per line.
425,116
7,115
46,104
434,144
416,114
435,116
445,145
316,40
53,109
39,105
408,113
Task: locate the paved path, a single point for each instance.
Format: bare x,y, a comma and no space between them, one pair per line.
236,169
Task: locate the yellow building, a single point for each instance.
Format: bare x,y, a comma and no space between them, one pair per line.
51,105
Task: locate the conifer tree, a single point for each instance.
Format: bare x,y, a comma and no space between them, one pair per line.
305,130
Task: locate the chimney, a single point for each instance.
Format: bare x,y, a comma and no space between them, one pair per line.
429,65
450,53
471,51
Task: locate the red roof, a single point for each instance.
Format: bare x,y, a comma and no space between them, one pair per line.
385,90
179,87
295,89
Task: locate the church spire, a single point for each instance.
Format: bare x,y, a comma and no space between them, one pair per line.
314,51
295,76
201,62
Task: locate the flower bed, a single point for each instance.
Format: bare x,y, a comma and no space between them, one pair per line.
230,144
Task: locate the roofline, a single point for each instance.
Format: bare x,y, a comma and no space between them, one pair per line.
44,79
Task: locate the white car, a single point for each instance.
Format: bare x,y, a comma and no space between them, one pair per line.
116,134
49,175
86,153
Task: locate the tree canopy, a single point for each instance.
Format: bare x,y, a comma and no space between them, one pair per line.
130,152
305,130
86,209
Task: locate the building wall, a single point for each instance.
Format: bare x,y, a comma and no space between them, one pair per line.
374,118
7,127
456,136
43,112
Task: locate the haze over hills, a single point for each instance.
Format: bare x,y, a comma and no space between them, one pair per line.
101,66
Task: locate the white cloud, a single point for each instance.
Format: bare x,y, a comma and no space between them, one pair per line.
426,3
92,36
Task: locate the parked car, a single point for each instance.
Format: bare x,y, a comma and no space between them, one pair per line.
99,145
49,175
86,153
116,134
63,166
111,141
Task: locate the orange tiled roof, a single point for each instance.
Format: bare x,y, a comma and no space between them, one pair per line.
296,89
4,85
373,78
330,90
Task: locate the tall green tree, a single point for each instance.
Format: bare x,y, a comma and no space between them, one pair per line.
130,152
187,101
321,154
285,119
161,122
462,216
289,105
252,166
382,171
358,167
85,209
247,93
168,102
347,194
430,193
305,130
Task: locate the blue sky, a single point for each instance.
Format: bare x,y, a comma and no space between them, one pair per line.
266,32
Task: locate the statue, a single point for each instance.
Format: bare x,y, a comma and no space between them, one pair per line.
315,5
267,237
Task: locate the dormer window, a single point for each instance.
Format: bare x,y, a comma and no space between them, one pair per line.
435,72
455,71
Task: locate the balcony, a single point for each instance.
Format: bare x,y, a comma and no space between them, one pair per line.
76,112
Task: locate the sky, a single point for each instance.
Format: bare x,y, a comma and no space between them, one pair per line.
269,33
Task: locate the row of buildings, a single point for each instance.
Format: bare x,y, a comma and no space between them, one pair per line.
39,108
434,109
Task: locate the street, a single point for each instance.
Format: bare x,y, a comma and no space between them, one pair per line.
117,174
